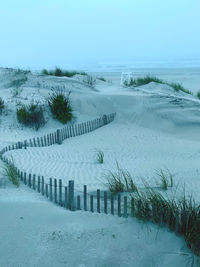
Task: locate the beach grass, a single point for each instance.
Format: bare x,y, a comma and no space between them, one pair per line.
99,156
60,106
119,181
62,73
11,173
147,79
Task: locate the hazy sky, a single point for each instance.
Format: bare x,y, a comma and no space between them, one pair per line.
44,33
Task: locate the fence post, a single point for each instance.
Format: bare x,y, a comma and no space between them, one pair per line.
50,190
119,205
25,144
43,185
60,192
66,198
38,141
42,143
38,184
105,202
105,121
33,181
59,137
25,182
29,180
91,203
85,197
21,176
71,195
34,142
125,207
98,201
78,202
112,203
55,191
45,140
46,190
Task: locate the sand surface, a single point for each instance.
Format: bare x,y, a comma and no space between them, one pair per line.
155,128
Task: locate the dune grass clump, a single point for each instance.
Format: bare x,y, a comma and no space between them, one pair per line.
10,172
166,179
198,94
62,73
99,156
143,80
147,79
181,216
2,105
31,115
101,79
60,106
178,87
120,181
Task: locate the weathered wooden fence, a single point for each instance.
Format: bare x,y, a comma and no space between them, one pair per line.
67,196
60,135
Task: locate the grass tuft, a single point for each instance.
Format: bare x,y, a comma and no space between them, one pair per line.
62,73
166,179
99,156
10,172
2,105
101,79
181,216
31,115
198,94
120,181
60,106
143,80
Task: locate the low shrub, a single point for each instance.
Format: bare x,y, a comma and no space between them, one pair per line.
31,115
62,73
2,105
60,106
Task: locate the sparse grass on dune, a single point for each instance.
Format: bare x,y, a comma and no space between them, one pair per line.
198,94
181,216
166,179
11,173
99,156
178,87
101,79
31,115
147,79
2,105
62,73
143,80
120,181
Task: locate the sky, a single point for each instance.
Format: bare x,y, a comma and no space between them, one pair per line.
48,33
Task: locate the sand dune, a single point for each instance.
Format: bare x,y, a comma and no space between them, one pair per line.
155,128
